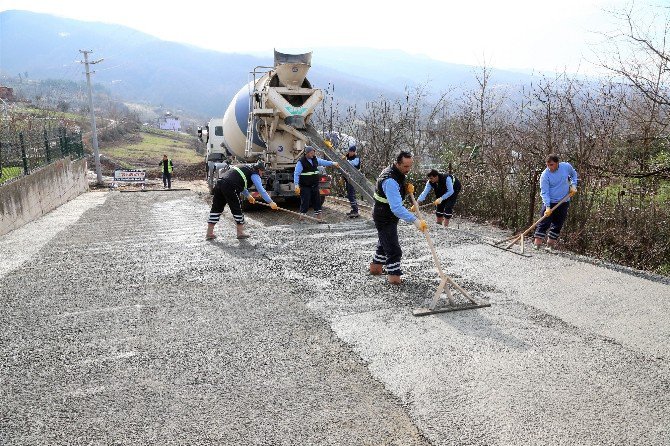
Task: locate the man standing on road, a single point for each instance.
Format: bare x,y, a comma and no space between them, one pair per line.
234,181
306,178
166,168
388,209
355,161
557,181
446,188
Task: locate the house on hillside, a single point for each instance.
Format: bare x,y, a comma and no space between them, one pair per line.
169,122
6,93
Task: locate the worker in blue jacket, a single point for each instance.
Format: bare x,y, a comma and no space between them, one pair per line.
236,181
557,180
388,209
446,188
306,179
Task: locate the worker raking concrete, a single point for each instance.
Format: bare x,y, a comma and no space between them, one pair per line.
234,182
388,209
557,181
446,188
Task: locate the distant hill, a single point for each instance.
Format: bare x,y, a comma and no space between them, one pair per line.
142,68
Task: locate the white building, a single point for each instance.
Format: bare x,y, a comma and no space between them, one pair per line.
169,122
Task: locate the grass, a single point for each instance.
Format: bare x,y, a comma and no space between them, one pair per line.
10,172
149,150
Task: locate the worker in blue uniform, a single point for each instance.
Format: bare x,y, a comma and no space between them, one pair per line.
306,178
446,188
234,182
355,161
388,209
557,180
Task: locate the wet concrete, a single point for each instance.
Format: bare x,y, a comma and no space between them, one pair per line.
127,327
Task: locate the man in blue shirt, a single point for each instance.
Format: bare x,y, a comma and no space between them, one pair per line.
557,181
447,188
355,161
234,181
306,179
388,209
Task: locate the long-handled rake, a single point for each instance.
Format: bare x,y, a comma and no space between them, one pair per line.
513,240
445,280
290,212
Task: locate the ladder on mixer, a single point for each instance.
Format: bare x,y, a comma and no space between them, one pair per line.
250,119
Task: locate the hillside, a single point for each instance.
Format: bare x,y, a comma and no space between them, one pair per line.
142,68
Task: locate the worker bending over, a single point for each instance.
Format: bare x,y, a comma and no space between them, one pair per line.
234,181
446,188
388,209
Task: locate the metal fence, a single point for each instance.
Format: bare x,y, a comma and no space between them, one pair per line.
28,151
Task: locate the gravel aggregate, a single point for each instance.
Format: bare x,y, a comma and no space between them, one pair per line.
120,324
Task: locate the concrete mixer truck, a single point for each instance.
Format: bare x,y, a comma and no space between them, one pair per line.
269,119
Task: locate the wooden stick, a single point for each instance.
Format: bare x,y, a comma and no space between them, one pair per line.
430,242
290,212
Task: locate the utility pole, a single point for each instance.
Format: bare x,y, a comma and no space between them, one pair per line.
94,130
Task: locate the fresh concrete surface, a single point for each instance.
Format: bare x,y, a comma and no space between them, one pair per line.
126,327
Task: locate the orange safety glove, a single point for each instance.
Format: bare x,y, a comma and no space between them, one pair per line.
297,190
438,201
413,208
273,206
421,225
573,190
251,199
547,212
409,188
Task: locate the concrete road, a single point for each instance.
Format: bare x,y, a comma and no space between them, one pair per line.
120,324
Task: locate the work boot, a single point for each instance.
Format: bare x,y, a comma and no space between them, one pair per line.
395,279
353,214
375,269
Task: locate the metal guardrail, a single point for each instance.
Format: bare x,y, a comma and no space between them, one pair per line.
28,151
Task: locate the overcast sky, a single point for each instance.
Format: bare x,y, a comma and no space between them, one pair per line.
514,34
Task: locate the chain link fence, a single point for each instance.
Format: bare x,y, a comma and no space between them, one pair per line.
28,151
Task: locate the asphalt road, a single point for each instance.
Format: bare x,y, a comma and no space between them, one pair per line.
120,324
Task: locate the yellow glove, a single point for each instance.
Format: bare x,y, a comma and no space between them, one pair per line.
297,190
328,143
573,190
336,164
273,206
413,208
438,201
547,213
344,157
251,199
409,188
421,225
